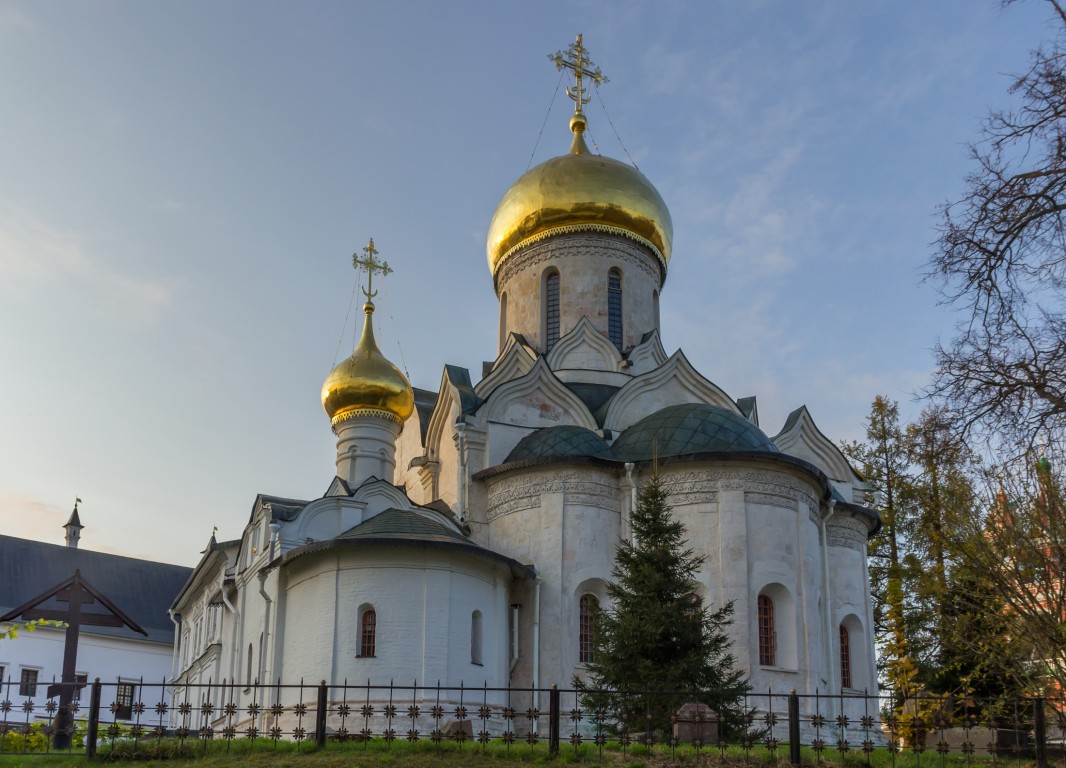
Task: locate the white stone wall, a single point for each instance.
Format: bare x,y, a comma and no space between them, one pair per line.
424,600
758,526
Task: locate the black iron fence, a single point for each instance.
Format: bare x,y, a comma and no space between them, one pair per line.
135,717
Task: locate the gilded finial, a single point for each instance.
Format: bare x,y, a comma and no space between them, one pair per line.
576,59
371,265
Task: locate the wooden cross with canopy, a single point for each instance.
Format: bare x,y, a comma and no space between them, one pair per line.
76,592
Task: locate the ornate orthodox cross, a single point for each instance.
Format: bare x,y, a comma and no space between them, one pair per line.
371,265
76,592
576,59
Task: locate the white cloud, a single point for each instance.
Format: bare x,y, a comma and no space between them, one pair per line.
28,518
13,17
36,256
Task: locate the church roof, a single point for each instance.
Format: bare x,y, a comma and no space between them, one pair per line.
564,440
401,524
678,430
144,589
399,527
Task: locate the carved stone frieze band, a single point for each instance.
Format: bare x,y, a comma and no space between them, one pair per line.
599,490
772,500
524,492
846,532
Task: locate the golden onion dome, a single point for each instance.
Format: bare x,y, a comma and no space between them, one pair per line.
367,384
580,191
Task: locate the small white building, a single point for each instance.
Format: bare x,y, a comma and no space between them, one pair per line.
121,658
465,534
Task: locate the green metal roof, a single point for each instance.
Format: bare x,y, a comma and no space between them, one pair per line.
401,524
564,440
678,430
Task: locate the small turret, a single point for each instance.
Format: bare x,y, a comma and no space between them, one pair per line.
74,526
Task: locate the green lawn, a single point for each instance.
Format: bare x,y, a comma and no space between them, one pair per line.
400,754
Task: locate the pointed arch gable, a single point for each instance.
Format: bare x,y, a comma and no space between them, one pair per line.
535,400
333,515
455,397
584,348
647,355
674,383
514,362
800,437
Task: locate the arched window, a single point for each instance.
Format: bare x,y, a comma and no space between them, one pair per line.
767,633
614,307
589,604
845,657
248,680
551,309
475,637
368,627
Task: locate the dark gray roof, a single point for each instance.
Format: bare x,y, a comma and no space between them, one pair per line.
281,508
405,528
678,430
593,395
143,589
564,440
460,379
747,406
75,519
401,524
424,402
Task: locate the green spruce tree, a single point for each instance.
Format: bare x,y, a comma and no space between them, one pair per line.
657,636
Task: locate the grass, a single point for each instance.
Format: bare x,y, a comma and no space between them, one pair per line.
401,754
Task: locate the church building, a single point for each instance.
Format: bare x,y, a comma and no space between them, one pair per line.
466,535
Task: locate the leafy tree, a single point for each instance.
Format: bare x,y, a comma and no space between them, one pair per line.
884,462
1018,547
1001,259
657,635
9,631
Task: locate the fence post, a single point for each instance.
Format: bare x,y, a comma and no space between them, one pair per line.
553,720
320,715
93,727
1040,732
794,728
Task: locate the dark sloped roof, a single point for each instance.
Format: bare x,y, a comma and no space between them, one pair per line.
402,524
564,440
460,379
406,528
689,428
424,402
143,589
594,396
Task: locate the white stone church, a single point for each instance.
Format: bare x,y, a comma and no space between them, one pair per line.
465,535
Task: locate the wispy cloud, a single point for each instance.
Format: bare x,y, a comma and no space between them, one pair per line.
13,17
29,518
35,255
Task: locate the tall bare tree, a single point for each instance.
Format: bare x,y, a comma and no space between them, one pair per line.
1001,259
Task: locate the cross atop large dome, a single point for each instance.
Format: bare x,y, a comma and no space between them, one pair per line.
579,191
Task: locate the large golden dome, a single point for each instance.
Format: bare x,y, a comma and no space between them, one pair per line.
575,192
367,384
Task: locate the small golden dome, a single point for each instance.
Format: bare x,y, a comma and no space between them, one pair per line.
367,384
580,191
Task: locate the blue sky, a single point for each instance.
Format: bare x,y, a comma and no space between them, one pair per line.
182,186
